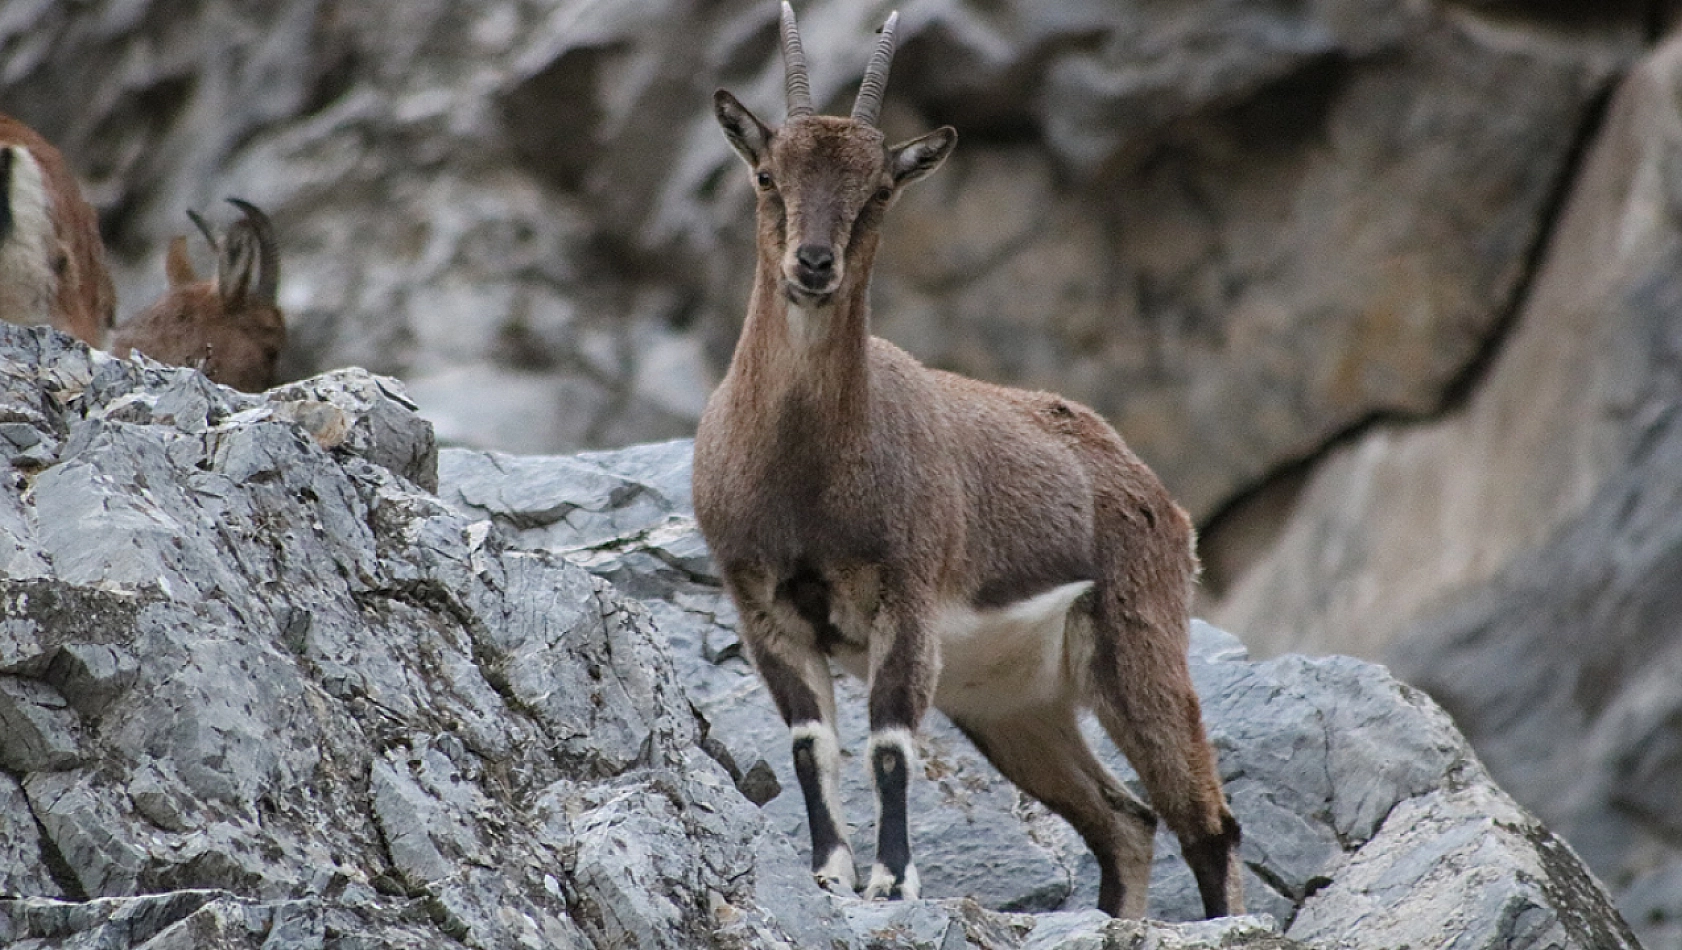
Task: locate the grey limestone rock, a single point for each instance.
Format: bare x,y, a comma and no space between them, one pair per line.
198,919
1368,820
261,689
260,686
38,730
1520,559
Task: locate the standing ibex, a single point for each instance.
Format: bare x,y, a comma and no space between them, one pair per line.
996,552
230,327
52,262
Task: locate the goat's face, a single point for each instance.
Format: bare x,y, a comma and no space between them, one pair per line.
824,181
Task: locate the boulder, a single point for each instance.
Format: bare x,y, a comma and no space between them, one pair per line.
1368,820
259,687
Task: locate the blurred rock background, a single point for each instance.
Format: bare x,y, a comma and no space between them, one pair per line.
1387,290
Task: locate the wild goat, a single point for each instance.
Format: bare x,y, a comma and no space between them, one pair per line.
998,553
230,326
52,262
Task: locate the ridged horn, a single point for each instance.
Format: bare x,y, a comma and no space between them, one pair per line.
794,67
868,107
258,229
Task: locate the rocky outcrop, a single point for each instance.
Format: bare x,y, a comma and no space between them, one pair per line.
1368,821
260,687
1237,229
1241,230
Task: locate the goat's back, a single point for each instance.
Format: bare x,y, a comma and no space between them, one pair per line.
1053,493
190,327
994,494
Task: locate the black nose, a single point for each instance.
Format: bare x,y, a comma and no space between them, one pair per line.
816,263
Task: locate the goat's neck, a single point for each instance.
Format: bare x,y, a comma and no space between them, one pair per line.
814,361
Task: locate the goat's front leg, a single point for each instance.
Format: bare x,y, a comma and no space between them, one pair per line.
904,667
797,676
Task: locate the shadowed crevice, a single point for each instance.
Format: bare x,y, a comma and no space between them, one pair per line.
1244,527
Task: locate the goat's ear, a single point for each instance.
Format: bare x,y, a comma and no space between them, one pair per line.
178,267
920,156
748,136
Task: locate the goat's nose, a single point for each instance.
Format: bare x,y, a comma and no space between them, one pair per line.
816,262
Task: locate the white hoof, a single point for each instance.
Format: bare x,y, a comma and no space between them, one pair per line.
883,886
837,874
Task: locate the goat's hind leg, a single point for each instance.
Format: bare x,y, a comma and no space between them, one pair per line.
798,678
1044,754
1147,705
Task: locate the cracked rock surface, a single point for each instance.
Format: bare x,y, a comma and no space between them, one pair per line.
261,688
1368,820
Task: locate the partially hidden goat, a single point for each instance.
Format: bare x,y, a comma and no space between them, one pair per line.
228,326
997,553
52,261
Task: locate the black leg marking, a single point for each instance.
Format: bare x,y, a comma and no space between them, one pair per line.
902,680
826,835
893,849
1112,888
1112,891
893,876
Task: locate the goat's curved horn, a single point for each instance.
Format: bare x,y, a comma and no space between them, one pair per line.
268,252
868,106
204,229
794,67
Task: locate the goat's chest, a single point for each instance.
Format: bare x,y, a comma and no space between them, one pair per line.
792,515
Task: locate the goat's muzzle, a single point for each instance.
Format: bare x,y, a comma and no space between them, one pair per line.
814,266
812,275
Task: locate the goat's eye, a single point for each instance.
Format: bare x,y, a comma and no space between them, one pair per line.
764,179
884,193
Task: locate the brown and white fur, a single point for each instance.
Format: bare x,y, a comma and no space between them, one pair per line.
52,261
229,326
997,553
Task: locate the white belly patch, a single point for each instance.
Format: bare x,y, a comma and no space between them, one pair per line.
1025,654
